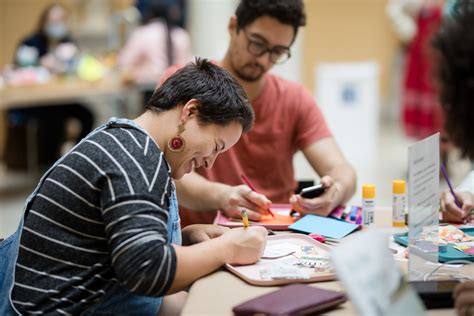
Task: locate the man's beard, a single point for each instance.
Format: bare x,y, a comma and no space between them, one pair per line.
243,76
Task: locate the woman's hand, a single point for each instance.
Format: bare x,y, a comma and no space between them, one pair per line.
322,205
194,234
244,245
464,298
451,212
241,196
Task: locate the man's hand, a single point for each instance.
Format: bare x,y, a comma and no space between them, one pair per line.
241,196
322,205
451,212
194,234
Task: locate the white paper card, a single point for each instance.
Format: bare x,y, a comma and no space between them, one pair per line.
371,277
423,205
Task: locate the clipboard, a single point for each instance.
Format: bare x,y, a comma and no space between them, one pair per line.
254,273
281,221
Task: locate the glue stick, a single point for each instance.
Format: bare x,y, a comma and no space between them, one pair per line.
368,204
398,203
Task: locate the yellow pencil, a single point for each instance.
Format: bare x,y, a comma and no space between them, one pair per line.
245,218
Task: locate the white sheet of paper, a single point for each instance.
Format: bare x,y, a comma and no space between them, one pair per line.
277,250
371,277
423,203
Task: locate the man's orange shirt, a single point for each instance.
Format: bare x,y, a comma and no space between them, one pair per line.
287,119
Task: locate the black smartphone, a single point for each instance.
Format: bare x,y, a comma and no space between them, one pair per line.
313,191
436,293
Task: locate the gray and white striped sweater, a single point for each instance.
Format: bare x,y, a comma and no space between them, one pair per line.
99,218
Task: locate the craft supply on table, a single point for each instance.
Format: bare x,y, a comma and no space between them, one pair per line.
368,204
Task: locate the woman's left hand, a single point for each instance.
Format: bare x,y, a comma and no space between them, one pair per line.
322,205
194,234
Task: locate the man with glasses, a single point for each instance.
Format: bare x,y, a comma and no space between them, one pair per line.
286,120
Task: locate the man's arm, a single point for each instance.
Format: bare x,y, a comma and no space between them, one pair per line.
336,174
199,194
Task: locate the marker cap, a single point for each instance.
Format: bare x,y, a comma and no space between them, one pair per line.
398,187
368,191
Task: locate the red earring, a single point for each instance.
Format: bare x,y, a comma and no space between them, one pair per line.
176,144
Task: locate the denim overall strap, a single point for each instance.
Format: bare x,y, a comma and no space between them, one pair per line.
174,222
9,247
8,254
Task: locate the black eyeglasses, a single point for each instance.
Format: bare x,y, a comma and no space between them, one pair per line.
278,54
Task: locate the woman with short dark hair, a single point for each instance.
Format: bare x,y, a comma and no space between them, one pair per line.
101,233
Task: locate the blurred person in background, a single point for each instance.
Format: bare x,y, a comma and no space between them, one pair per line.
421,112
287,119
59,125
454,44
154,46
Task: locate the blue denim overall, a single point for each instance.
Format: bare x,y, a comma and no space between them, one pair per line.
118,300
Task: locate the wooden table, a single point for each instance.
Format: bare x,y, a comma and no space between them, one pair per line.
60,91
218,292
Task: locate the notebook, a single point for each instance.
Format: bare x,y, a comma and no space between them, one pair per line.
295,299
326,226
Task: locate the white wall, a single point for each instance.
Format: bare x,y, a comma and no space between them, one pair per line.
207,25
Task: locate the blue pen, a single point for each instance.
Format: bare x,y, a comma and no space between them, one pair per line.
445,174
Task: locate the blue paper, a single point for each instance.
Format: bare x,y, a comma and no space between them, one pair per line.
328,227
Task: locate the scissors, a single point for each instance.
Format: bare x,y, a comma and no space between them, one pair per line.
323,239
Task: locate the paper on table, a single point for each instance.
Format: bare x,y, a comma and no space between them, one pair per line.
279,249
325,226
280,222
465,247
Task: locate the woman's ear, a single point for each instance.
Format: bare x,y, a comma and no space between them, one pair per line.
190,109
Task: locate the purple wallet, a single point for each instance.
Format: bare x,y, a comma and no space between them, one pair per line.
294,299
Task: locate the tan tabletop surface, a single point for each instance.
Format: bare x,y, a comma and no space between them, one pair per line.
218,292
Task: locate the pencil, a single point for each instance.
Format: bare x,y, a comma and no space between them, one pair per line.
245,218
445,174
250,185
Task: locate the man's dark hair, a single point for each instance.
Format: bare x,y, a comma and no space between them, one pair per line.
222,99
286,11
454,44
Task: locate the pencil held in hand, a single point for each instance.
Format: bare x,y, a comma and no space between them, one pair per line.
245,218
445,174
